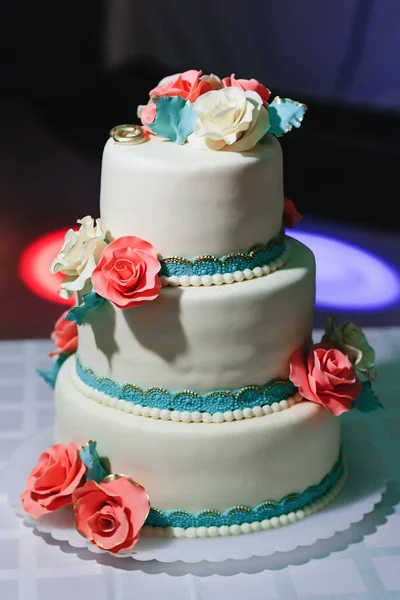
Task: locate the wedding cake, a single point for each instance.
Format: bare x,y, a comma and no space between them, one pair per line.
190,399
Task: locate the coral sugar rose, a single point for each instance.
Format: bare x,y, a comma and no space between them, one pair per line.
248,84
58,472
147,114
326,376
127,273
65,336
290,214
111,514
189,85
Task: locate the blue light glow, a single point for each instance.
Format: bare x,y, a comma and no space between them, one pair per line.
349,277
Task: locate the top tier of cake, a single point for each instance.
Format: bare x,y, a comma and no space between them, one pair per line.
188,202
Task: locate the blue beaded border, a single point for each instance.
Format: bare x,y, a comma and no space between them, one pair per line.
237,515
258,256
218,401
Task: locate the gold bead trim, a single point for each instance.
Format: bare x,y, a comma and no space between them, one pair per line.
211,512
131,387
208,258
240,509
177,259
104,379
185,393
157,390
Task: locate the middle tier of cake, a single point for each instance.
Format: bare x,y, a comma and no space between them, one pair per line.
208,338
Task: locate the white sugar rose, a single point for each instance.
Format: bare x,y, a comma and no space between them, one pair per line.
229,119
351,340
79,255
213,80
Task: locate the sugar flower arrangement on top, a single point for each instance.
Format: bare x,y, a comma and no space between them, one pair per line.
210,113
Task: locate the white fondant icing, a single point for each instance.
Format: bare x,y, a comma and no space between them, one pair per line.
189,203
221,337
226,530
221,278
176,415
195,466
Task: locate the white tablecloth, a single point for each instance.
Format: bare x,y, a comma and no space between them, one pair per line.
362,563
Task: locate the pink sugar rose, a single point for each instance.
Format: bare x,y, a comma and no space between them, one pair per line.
188,84
111,514
248,84
127,272
147,114
65,336
57,474
326,376
290,214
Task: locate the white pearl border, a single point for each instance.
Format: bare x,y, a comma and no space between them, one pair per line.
184,416
273,523
221,278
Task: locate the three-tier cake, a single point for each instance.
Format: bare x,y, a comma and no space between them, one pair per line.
188,358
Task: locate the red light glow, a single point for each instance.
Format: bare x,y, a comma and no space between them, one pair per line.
34,267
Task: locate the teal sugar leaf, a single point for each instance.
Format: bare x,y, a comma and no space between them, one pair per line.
175,119
91,301
284,114
367,401
50,375
90,458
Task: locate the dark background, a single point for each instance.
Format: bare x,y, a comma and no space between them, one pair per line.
62,91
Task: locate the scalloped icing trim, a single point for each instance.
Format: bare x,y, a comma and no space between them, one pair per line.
249,407
220,279
323,495
237,266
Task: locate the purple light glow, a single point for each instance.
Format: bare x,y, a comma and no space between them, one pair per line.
349,277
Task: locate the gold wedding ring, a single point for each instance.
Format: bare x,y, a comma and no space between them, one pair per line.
128,134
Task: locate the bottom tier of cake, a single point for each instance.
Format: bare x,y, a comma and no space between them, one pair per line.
214,478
